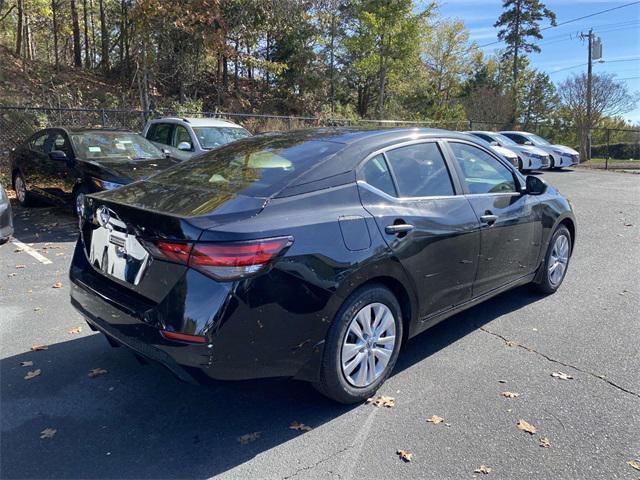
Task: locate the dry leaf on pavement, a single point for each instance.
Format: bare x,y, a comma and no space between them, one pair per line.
483,469
634,464
36,348
75,330
249,437
382,401
511,343
48,433
28,363
545,442
435,419
405,455
32,374
300,426
21,266
510,394
57,285
527,427
96,372
561,376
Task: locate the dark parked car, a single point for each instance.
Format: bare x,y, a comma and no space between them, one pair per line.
313,254
6,220
61,165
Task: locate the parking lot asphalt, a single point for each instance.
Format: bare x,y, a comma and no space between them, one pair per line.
138,421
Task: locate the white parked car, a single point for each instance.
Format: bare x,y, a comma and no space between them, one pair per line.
184,138
505,152
560,155
529,157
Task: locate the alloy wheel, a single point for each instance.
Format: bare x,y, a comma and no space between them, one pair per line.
21,190
80,204
558,260
368,345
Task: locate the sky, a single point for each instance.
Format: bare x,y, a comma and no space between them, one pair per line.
563,53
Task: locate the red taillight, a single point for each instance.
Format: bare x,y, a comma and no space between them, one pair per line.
223,261
182,337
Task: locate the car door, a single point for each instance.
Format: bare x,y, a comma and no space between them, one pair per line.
29,158
181,135
62,177
427,223
510,237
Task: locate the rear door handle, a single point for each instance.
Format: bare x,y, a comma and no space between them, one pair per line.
400,228
489,219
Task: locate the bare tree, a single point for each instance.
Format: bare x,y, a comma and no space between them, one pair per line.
610,97
77,49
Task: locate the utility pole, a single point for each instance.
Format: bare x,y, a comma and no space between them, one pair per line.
589,82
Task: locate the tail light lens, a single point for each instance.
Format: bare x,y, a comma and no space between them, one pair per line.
223,261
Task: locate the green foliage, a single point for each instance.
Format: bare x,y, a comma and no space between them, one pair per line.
621,151
519,22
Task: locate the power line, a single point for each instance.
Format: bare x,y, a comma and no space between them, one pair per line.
599,62
572,20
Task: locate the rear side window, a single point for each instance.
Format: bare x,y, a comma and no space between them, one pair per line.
160,132
376,173
257,166
481,172
420,170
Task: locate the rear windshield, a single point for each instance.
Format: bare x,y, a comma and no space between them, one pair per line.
257,166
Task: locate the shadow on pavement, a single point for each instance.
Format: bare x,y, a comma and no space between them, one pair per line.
40,225
140,422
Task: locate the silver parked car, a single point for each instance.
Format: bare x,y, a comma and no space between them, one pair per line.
529,157
184,138
559,155
6,219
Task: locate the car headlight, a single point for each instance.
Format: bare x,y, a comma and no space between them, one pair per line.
104,185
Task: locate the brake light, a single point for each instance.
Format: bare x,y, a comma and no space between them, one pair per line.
227,261
182,337
175,252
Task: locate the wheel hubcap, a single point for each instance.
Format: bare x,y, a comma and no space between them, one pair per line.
368,345
558,260
20,189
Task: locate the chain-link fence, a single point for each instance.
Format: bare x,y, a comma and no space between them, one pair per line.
18,123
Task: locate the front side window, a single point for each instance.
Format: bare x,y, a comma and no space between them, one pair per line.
516,137
420,170
160,133
38,142
182,135
212,137
96,145
481,172
376,173
57,142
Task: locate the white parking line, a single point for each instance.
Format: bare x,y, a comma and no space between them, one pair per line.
31,251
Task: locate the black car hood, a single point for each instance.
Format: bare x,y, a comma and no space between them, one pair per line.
126,171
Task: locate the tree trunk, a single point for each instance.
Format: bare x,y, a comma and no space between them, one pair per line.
104,39
77,49
516,47
19,27
54,11
85,15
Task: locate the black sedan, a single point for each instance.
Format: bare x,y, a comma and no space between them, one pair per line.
61,165
313,254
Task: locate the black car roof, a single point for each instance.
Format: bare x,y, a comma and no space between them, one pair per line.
358,144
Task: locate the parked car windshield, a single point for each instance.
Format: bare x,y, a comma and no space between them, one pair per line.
257,166
212,137
503,139
114,146
537,140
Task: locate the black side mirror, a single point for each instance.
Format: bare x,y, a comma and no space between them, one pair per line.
58,155
535,185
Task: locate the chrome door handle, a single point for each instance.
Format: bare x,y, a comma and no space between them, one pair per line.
489,219
400,228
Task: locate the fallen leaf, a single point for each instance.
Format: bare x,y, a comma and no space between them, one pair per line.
28,363
48,433
300,426
511,343
634,464
12,274
382,401
96,372
75,330
561,376
435,419
545,442
37,309
21,266
36,348
527,427
249,437
510,394
57,285
405,455
483,469
18,250
32,374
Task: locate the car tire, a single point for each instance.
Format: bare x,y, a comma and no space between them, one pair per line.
557,257
25,199
339,380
